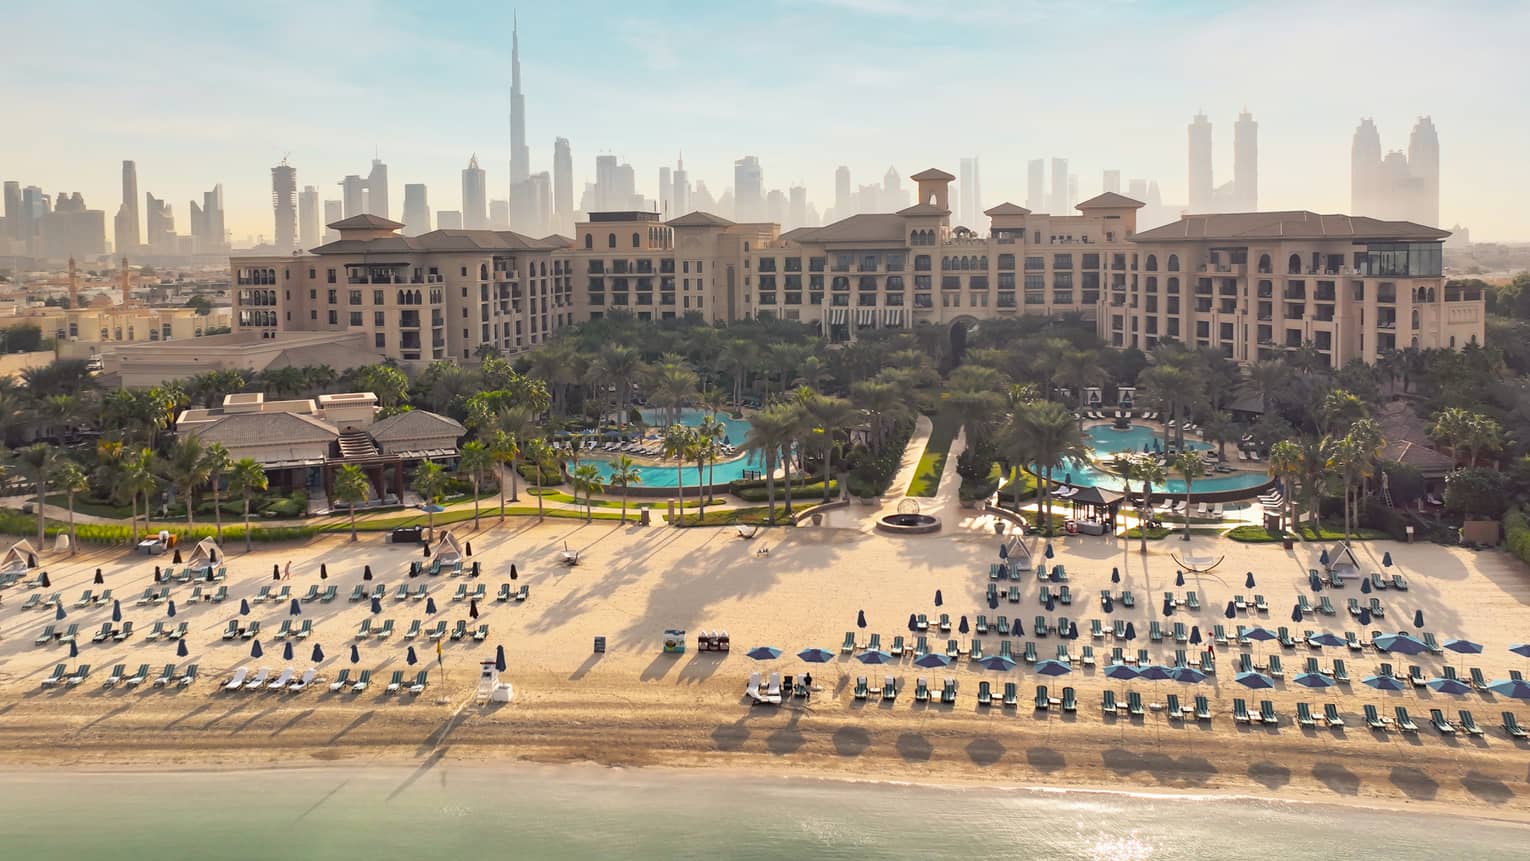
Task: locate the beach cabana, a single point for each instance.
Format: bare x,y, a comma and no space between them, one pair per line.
1342,560
1096,505
17,558
447,549
205,555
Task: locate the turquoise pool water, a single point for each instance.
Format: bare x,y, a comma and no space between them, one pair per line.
664,476
1106,441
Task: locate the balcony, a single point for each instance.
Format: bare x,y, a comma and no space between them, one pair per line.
1223,268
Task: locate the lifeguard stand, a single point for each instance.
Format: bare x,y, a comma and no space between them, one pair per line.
490,688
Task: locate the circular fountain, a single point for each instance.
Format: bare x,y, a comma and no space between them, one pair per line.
908,520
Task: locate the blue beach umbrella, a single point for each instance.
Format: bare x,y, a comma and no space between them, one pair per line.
764,653
255,650
1326,639
913,622
1131,631
1386,559
939,599
1253,680
1050,553
963,627
816,656
1260,634
1168,606
376,606
1189,675
1248,581
1365,585
1179,578
1384,683
1418,618
1120,672
1365,616
1402,643
355,654
1232,610
932,660
1517,689
287,651
1296,612
1156,673
1108,604
244,607
1313,680
74,650
1454,687
180,649
318,654
998,662
411,659
170,609
1314,582
1195,635
1464,647
860,619
1521,649
499,658
874,656
430,606
1003,551
117,611
1323,559
1053,668
1115,575
59,613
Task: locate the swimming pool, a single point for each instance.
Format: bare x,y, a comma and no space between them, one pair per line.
664,475
1106,441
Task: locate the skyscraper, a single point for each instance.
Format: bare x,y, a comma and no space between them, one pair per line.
748,190
1036,184
1110,182
1246,163
775,206
666,193
207,220
843,208
416,209
970,197
499,214
797,208
448,219
352,192
1202,189
377,189
681,193
1424,164
159,218
308,217
1365,169
523,212
475,196
563,187
1397,187
334,211
540,188
284,201
13,220
125,229
1059,203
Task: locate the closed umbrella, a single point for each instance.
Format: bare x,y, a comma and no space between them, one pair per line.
244,606
913,623
255,650
117,611
1521,649
816,656
998,662
294,609
430,606
1050,554
1386,559
1314,582
1464,647
355,654
100,580
323,571
1365,585
860,619
1454,687
1231,611
961,628
44,581
469,549
1255,681
1003,551
180,649
476,569
1049,603
513,573
59,613
74,650
318,654
1073,631
763,653
1365,616
411,659
1248,581
874,656
1053,668
1168,606
1108,603
1120,672
287,651
939,600
177,558
1296,612
499,658
473,608
1179,578
170,609
1313,680
1323,559
366,573
376,606
1418,618
276,571
1195,635
993,603
933,660
1115,575
1131,632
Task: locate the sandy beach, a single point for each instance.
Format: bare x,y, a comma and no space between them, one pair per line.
634,706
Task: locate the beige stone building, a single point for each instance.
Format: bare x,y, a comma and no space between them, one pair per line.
1354,287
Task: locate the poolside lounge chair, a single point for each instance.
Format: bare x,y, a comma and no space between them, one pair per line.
1404,722
303,681
363,682
1469,723
281,680
1173,710
1267,713
1134,704
921,691
1240,711
1512,727
114,676
1374,720
1304,715
889,689
1331,715
984,694
1042,700
1440,723
396,681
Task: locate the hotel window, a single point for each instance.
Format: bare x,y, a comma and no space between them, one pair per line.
1062,261
978,282
894,300
1007,261
950,300
1034,263
380,341
331,276
1091,261
815,264
333,297
767,264
356,319
977,300
793,298
354,297
950,282
334,317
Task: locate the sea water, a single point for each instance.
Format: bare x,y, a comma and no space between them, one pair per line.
441,810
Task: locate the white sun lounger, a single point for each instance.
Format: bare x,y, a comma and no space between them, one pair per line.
281,680
258,679
237,681
305,680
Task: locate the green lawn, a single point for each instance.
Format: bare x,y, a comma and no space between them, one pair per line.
933,462
742,516
1253,533
1328,533
84,506
614,500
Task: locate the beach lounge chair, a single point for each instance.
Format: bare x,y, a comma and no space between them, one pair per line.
889,689
102,635
1325,607
921,646
86,599
1118,629
1239,604
1377,582
284,631
1155,631
1245,663
1267,713
1440,723
462,593
1064,596
222,594
1432,643
1469,723
1134,704
1478,680
138,677
1331,715
197,595
459,630
945,623
78,676
984,694
1276,670
54,678
921,691
1376,609
1374,720
1219,635
231,631
953,649
403,592
281,680
993,593
1202,708
1416,675
848,645
1087,656
1069,700
1192,600
1399,583
975,652
252,631
1208,662
523,593
303,630
1260,604
358,594
413,631
303,681
1030,652
395,682
1352,641
897,646
344,679
1304,604
363,682
1011,694
258,679
1304,715
1013,595
1096,630
114,676
1512,727
1042,700
1001,626
1181,633
311,595
1038,628
364,630
118,635
1006,649
504,593
1354,606
921,622
438,632
1108,703
1128,600
237,680
1404,722
481,633
385,631
1340,671
32,601
1172,709
1240,711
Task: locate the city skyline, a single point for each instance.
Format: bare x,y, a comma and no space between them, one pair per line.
1305,144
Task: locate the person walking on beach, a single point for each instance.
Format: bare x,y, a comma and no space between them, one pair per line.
807,685
287,575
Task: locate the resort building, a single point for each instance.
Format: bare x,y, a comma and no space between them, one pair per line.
1248,284
303,443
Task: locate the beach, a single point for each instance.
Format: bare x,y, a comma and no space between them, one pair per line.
633,706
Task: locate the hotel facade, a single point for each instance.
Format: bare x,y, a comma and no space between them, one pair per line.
1251,285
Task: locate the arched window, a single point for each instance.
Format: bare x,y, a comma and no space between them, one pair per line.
983,262
1416,319
1152,263
1265,266
544,268
611,240
637,240
1294,265
401,299
589,241
913,237
1173,262
483,272
746,247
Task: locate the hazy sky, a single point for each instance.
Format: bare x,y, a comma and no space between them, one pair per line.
201,93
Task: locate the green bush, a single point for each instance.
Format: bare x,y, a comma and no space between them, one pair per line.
1477,490
1516,534
551,476
1022,487
1253,533
800,491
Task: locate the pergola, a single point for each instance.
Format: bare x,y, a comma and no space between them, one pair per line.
1096,504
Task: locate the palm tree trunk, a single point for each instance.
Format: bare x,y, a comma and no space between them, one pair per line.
475,503
701,491
1147,506
786,472
624,505
353,521
680,485
1187,509
41,521
247,522
770,486
539,493
189,524
73,541
501,493
515,494
218,510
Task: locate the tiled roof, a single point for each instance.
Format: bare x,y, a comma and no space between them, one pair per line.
414,424
1294,224
1007,208
934,173
265,429
467,241
1110,200
699,219
867,227
365,221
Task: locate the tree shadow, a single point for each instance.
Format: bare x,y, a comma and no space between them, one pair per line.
1414,783
1167,770
914,747
353,725
851,741
1337,778
1270,775
786,740
730,736
1045,759
1489,789
985,751
295,719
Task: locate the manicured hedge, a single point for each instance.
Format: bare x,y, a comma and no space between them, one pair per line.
1516,534
812,490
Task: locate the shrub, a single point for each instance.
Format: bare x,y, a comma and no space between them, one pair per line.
1253,533
1477,490
1022,487
801,491
551,476
1516,534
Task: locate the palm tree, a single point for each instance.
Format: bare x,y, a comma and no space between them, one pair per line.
1150,471
830,415
474,457
1219,429
218,462
1286,465
770,430
504,451
246,478
1482,433
712,432
704,446
885,402
1044,433
35,460
587,479
186,469
1190,466
430,483
1316,454
619,365
1451,426
521,425
137,479
539,454
673,385
1078,370
71,479
1166,388
678,442
352,488
624,474
1348,460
